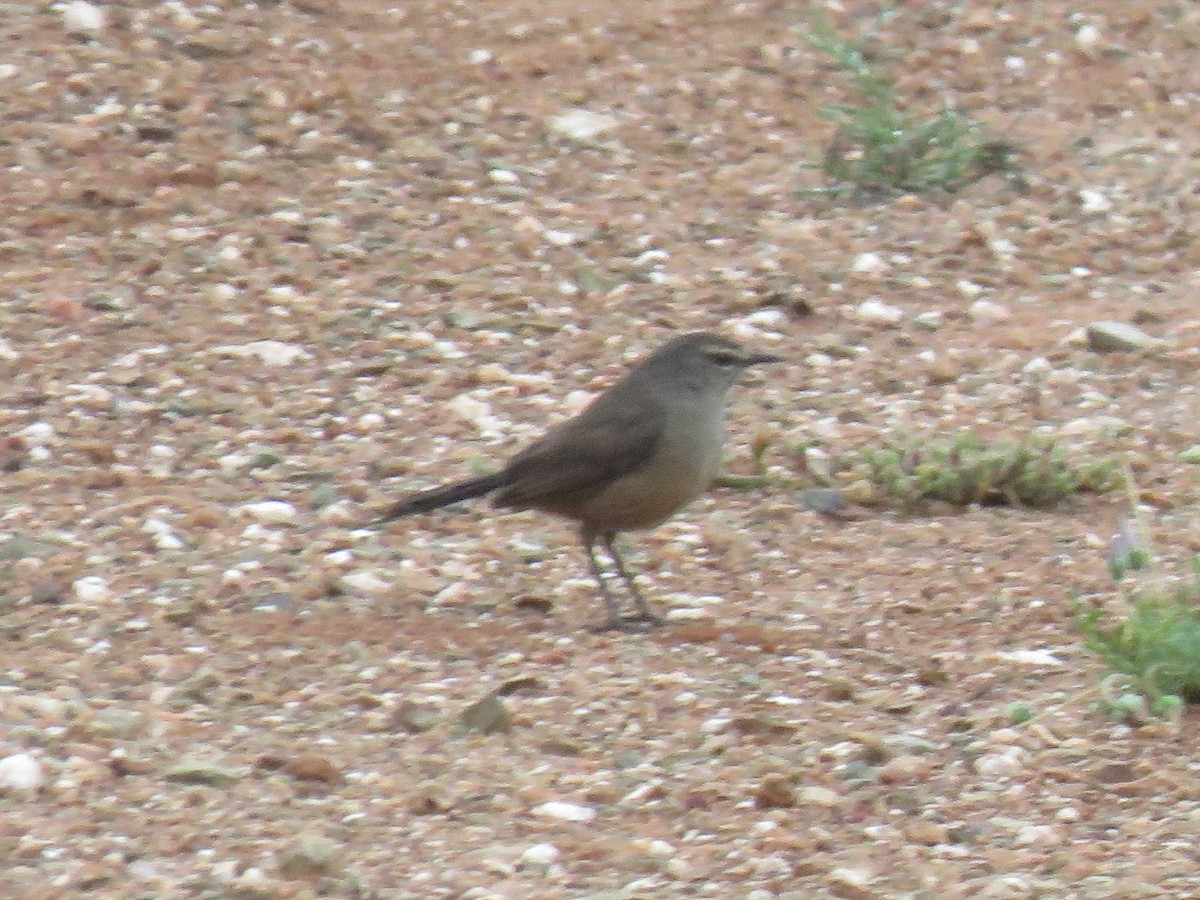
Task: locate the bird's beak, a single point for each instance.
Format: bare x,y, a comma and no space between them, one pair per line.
755,358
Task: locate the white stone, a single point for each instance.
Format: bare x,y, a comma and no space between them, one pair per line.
92,396
272,512
81,17
271,353
92,589
1037,836
366,583
869,264
581,124
988,313
559,238
37,434
876,312
1087,37
21,772
688,614
660,848
1029,657
540,855
567,812
1004,764
1094,201
1036,366
768,318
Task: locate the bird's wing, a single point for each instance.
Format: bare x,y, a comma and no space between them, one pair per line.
580,457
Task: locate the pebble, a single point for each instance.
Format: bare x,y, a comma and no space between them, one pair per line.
869,264
544,854
21,773
1028,657
1037,836
37,434
1004,764
904,770
83,18
271,512
312,767
986,312
815,795
271,353
92,589
1093,201
876,312
567,812
365,583
581,124
1118,337
309,855
199,772
850,883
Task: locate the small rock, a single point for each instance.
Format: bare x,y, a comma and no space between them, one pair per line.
309,856
83,18
1037,836
775,792
1118,337
851,884
869,264
487,716
922,831
581,125
904,770
201,772
985,312
815,795
271,353
1028,657
821,500
92,589
1005,764
1093,201
566,812
271,512
414,717
21,773
364,584
312,767
540,855
876,312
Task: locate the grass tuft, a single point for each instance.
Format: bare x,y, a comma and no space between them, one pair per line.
1032,472
881,148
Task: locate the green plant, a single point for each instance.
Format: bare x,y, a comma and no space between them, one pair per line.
881,148
1153,653
1157,646
1032,472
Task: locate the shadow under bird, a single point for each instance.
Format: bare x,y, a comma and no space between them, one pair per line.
637,454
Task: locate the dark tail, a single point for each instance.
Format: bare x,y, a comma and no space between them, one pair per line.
442,496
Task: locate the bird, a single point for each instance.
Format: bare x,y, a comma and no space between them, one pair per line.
635,456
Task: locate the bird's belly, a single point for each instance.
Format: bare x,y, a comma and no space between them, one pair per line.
652,494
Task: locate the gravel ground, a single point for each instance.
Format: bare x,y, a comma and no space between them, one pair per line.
266,266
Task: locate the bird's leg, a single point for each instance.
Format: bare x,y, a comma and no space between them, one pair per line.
644,613
614,613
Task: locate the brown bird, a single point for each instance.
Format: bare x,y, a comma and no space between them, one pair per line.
638,453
